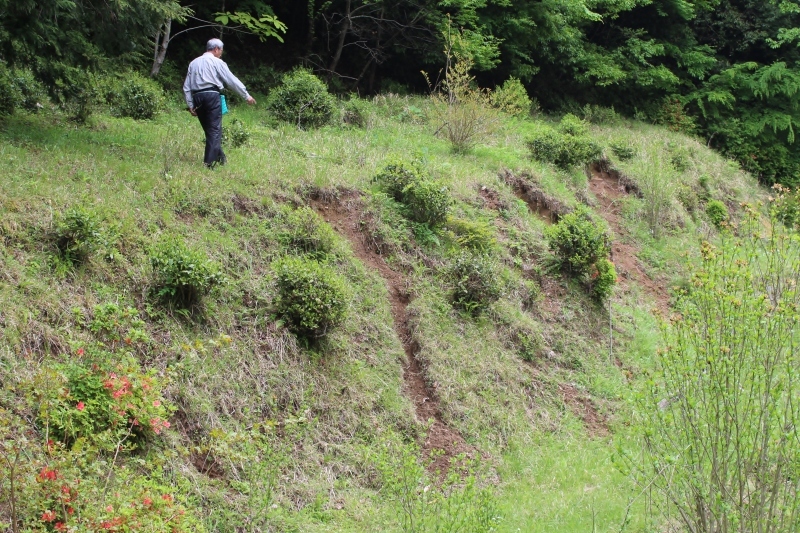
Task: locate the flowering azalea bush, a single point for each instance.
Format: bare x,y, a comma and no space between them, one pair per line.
105,403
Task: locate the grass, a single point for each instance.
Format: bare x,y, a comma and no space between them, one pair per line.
265,410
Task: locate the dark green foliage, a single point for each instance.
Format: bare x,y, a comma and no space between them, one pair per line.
717,212
302,99
512,98
135,96
305,232
312,298
235,133
578,241
528,344
623,152
32,93
356,112
688,198
476,280
9,93
596,114
77,234
476,235
602,278
182,276
565,147
424,199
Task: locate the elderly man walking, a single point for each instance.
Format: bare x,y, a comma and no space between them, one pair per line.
206,77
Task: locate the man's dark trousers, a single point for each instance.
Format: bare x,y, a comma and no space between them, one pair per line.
209,111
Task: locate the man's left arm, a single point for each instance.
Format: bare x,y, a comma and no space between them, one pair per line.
233,82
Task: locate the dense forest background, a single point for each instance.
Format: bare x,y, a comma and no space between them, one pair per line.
724,70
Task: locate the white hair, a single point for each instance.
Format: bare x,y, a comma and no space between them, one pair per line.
213,44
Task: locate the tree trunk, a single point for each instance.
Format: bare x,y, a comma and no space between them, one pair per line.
340,45
161,48
310,35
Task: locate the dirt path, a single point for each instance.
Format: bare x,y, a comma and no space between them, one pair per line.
343,213
609,192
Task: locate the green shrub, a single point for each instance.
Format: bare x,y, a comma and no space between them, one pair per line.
182,276
9,93
602,278
307,233
302,99
235,134
356,112
565,147
101,397
477,235
476,280
312,298
425,200
77,234
717,212
596,114
512,98
135,96
578,241
688,198
785,206
622,151
572,125
31,91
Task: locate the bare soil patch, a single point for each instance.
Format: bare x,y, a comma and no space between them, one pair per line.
609,190
583,407
343,212
526,189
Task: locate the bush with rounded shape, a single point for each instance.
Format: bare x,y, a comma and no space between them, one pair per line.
572,125
476,279
183,276
512,98
717,212
563,149
134,96
425,200
312,298
577,241
31,91
476,235
307,233
356,112
302,99
235,134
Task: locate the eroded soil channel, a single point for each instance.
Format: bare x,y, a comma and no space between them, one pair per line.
343,212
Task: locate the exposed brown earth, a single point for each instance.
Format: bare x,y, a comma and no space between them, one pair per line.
583,407
343,211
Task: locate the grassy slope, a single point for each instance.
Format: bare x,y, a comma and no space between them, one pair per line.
333,407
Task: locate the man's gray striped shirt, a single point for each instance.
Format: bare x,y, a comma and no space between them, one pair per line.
209,72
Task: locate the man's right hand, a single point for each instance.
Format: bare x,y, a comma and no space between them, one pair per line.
250,100
192,111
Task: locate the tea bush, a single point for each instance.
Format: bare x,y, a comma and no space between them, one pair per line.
182,276
302,99
356,112
578,241
622,151
717,212
478,235
135,96
476,280
77,234
425,200
235,134
602,278
312,298
305,232
566,146
596,114
512,98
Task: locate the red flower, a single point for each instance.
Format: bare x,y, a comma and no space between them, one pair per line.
48,516
60,526
47,474
80,351
148,502
81,406
166,497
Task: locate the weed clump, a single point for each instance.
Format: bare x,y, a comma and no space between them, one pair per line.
356,112
478,235
312,297
566,146
303,99
425,199
717,212
183,276
305,232
602,278
623,152
476,280
235,134
77,234
512,98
